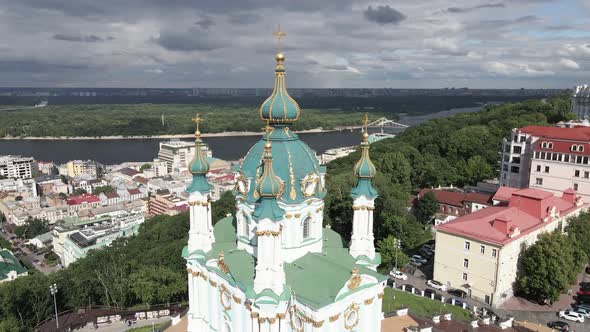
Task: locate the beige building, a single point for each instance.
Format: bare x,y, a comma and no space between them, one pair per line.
478,252
79,167
17,167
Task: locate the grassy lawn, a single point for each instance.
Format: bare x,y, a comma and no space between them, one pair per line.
420,306
146,328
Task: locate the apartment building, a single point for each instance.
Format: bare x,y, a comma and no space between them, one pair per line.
79,167
178,154
17,167
166,203
548,158
479,252
581,101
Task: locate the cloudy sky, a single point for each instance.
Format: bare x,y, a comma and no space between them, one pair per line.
330,43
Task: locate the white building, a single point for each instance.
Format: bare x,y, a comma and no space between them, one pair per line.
178,154
10,268
16,167
581,101
548,158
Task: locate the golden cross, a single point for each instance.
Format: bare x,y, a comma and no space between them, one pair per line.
366,120
280,34
197,120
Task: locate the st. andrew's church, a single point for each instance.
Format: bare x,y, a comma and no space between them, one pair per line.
273,267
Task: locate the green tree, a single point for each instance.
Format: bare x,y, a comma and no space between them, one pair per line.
32,228
153,285
79,191
224,205
578,230
145,166
103,190
388,250
548,267
64,179
425,208
396,168
477,169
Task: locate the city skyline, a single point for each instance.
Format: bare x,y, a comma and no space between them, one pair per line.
330,44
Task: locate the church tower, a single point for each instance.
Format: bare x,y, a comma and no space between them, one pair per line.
201,227
362,245
268,216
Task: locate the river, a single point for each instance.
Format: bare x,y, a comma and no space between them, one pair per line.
227,148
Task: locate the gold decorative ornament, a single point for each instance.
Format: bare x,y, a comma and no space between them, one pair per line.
380,295
355,279
351,317
281,315
334,318
293,192
317,324
309,185
272,320
369,300
254,314
213,283
225,299
237,299
261,320
242,184
221,263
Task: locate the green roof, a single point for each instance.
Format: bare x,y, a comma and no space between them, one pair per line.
268,208
363,187
199,184
315,279
279,107
9,263
292,162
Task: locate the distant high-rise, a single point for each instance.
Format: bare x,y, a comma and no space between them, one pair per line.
581,101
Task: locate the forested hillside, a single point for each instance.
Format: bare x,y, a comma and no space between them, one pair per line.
457,150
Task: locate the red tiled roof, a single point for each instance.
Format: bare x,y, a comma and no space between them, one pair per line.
128,171
498,224
133,191
572,134
504,193
112,195
84,198
455,198
140,179
562,146
227,177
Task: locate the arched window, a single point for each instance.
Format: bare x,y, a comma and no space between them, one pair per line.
574,148
544,145
550,145
581,148
245,226
306,226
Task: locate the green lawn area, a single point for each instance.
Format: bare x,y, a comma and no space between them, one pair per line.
420,306
146,328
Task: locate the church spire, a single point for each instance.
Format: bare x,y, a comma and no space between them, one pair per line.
269,186
199,165
364,170
280,108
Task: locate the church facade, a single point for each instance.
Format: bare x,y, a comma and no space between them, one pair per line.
272,266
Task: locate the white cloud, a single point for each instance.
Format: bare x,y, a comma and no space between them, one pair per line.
154,71
515,70
569,64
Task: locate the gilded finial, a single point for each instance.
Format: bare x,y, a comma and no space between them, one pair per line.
280,57
366,128
197,120
268,130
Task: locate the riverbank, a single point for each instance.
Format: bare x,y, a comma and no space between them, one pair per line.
160,137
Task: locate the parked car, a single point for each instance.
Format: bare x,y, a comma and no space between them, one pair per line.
437,285
584,312
429,292
581,306
583,292
398,275
559,325
583,298
390,282
571,315
458,293
420,258
458,302
426,252
415,262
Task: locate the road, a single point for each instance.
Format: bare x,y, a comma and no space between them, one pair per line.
121,326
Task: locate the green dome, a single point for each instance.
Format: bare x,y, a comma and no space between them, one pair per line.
269,185
280,107
199,164
293,161
364,168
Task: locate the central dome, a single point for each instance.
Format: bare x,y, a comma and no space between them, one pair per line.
279,107
293,162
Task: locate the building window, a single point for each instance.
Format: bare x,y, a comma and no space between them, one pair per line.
546,169
464,276
465,263
538,168
586,175
467,245
575,186
581,148
516,160
566,158
574,148
542,155
488,299
505,168
549,145
482,249
522,139
514,169
517,149
536,154
544,145
306,225
539,181
577,173
494,252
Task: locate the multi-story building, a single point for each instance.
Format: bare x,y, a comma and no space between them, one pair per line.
77,244
79,167
551,158
479,252
10,268
17,167
178,154
28,186
166,203
456,203
581,101
84,201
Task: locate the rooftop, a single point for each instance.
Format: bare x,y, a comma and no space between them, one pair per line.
84,198
9,263
572,134
455,198
527,210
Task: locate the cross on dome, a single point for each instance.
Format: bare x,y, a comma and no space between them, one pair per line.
279,34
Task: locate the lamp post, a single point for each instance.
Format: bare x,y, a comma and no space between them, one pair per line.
53,290
397,247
